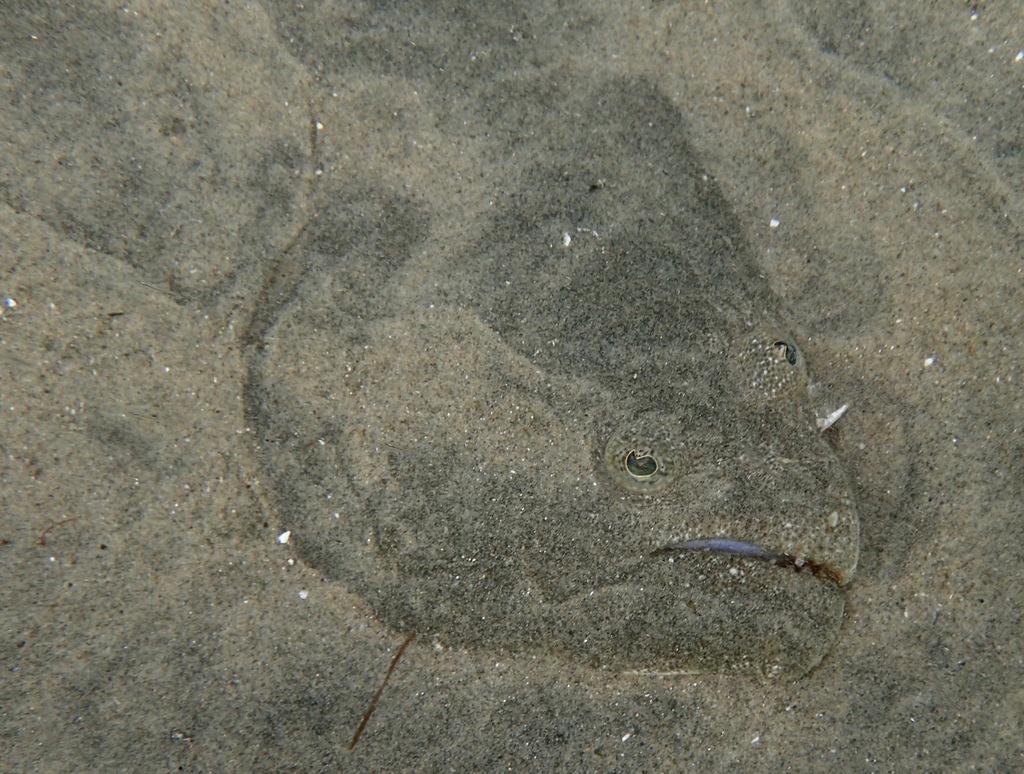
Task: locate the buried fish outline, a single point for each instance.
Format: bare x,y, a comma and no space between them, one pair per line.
518,445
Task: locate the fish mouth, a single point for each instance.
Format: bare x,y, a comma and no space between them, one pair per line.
726,545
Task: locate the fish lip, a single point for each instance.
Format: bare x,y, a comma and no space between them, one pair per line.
727,545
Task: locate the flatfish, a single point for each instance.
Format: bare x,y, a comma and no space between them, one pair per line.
586,433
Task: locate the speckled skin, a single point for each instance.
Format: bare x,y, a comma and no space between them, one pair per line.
489,446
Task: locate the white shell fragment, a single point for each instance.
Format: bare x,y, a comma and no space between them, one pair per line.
825,422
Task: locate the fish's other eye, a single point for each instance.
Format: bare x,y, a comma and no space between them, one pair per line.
788,351
773,366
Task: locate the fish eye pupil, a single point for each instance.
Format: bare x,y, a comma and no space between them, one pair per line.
786,350
640,464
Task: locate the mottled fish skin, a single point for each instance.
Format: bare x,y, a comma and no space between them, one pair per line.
496,444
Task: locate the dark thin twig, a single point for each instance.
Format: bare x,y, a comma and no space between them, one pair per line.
376,696
41,541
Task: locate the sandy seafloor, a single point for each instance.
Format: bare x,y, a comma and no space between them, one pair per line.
157,160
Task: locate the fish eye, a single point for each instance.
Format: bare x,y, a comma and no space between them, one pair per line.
641,458
774,366
640,464
787,351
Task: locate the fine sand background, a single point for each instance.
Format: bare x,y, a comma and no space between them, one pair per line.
157,167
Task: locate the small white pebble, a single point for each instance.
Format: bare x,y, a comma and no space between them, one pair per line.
930,360
303,594
773,223
566,239
284,536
